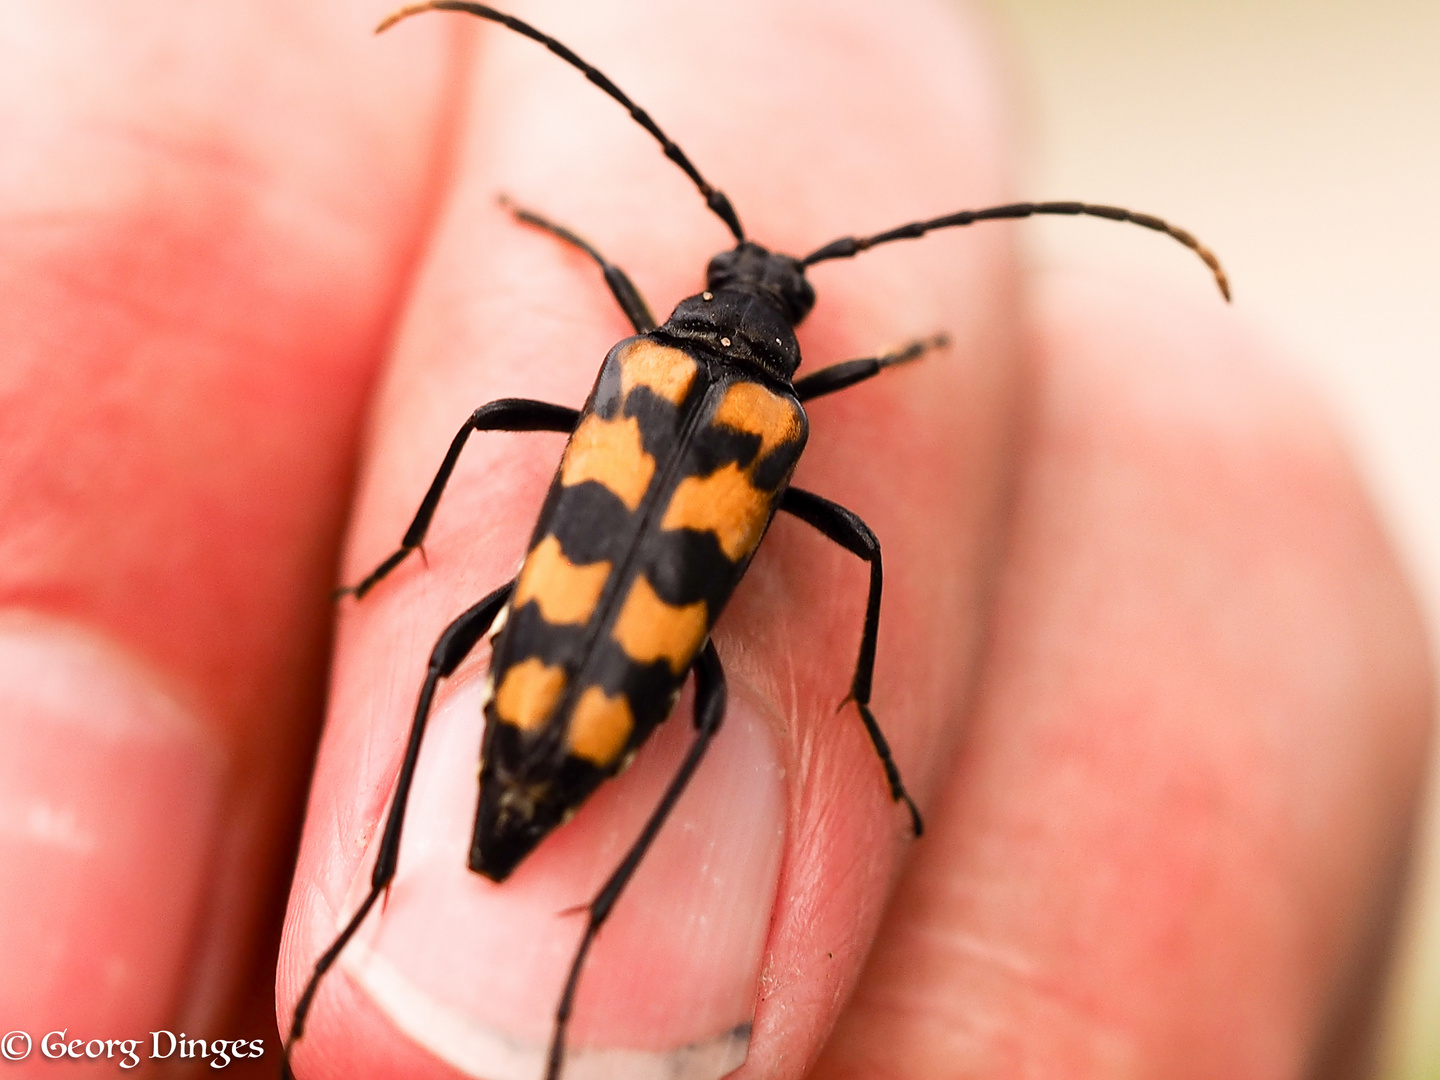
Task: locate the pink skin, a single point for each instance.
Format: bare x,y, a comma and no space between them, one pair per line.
209,216
1146,659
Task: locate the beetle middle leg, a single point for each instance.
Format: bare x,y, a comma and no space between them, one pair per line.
507,414
847,530
709,712
839,376
619,283
456,643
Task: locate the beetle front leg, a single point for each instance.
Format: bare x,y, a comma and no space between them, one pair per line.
618,282
840,376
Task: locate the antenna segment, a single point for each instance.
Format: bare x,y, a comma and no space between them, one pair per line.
849,246
715,199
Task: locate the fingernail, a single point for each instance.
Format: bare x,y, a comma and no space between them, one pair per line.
108,815
473,971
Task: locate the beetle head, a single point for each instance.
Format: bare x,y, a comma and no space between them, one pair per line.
749,268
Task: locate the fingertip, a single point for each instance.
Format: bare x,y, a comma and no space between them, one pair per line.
110,820
470,972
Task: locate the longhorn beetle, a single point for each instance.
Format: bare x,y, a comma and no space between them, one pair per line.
675,466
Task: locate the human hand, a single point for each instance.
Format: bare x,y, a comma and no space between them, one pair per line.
1144,656
209,217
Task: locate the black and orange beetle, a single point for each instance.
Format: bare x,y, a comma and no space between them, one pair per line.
675,466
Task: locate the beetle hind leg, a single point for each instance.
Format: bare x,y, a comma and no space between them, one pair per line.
709,712
456,643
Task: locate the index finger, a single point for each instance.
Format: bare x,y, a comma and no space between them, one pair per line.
748,920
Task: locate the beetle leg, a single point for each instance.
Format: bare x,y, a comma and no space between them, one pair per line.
621,287
454,645
709,712
847,530
839,376
507,414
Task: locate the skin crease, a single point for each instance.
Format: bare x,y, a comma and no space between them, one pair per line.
1146,658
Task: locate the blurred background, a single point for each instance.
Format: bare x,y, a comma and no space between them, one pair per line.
1301,141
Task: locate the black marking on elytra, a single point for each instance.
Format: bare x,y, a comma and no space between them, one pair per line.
774,469
590,522
553,644
687,565
504,834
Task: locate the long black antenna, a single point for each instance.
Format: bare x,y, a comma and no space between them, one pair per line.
849,246
714,199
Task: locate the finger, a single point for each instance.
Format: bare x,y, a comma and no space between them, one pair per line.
761,893
1172,842
207,217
